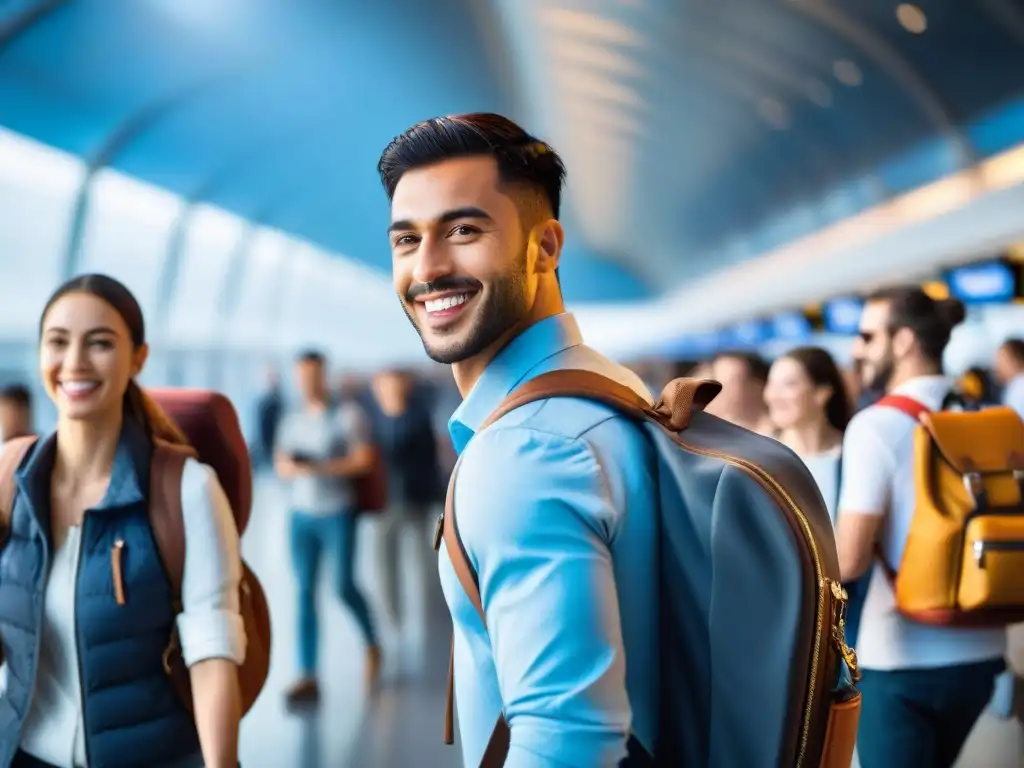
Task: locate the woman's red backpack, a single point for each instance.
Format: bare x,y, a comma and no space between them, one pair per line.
215,438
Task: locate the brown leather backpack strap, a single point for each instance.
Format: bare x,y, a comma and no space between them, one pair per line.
572,383
11,456
680,399
167,522
497,747
165,516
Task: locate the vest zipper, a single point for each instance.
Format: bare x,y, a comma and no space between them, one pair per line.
39,621
78,640
115,571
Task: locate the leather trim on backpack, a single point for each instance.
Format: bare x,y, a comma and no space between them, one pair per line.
11,456
168,526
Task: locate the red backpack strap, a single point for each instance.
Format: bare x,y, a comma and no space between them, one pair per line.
11,456
907,405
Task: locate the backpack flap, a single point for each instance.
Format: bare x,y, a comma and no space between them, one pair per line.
985,449
209,421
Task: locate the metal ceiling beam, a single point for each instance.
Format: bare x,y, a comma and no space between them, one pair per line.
891,61
133,126
1008,15
18,24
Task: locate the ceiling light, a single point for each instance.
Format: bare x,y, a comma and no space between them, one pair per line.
911,18
819,93
847,72
774,113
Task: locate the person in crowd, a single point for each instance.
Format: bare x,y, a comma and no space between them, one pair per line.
15,412
321,446
565,574
743,376
976,387
83,678
854,387
924,687
1009,372
809,409
268,416
404,432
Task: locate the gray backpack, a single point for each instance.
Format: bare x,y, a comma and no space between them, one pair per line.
755,669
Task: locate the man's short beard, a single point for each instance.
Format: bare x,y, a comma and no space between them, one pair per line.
503,306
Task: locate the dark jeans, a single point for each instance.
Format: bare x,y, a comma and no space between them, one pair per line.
920,718
310,536
856,592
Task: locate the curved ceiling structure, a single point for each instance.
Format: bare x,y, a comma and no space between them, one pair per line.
697,134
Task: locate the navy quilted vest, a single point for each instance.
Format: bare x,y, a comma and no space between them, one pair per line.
132,716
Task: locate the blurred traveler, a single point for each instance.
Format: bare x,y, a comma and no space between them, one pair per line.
743,376
15,412
1009,372
924,686
320,448
404,432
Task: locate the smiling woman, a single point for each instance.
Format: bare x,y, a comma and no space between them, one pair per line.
80,522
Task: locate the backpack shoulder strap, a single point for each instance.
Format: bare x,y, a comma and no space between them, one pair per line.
11,456
165,515
907,405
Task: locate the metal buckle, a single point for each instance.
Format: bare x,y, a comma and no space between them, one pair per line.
438,532
975,485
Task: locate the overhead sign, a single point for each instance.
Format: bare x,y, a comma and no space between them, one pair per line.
792,326
842,316
991,282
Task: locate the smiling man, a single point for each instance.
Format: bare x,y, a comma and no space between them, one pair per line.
556,501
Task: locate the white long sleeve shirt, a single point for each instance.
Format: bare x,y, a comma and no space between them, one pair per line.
210,625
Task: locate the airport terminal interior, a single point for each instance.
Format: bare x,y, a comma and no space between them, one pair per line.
741,176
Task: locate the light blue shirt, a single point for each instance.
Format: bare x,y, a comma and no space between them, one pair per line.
556,508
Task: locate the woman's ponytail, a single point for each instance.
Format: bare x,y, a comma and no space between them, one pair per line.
157,423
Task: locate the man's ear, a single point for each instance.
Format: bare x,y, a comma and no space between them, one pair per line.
545,247
902,342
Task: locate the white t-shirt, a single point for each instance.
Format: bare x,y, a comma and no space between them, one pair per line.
1014,394
824,469
878,479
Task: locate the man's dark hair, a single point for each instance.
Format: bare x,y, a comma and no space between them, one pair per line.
312,356
757,366
522,159
18,394
930,320
1015,349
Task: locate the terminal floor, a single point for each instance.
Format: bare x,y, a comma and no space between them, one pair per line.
402,726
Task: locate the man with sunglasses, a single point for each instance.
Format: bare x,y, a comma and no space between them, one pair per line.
924,687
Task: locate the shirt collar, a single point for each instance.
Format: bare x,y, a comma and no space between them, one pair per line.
922,385
509,368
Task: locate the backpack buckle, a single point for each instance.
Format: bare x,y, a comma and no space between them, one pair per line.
438,532
975,485
1018,476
